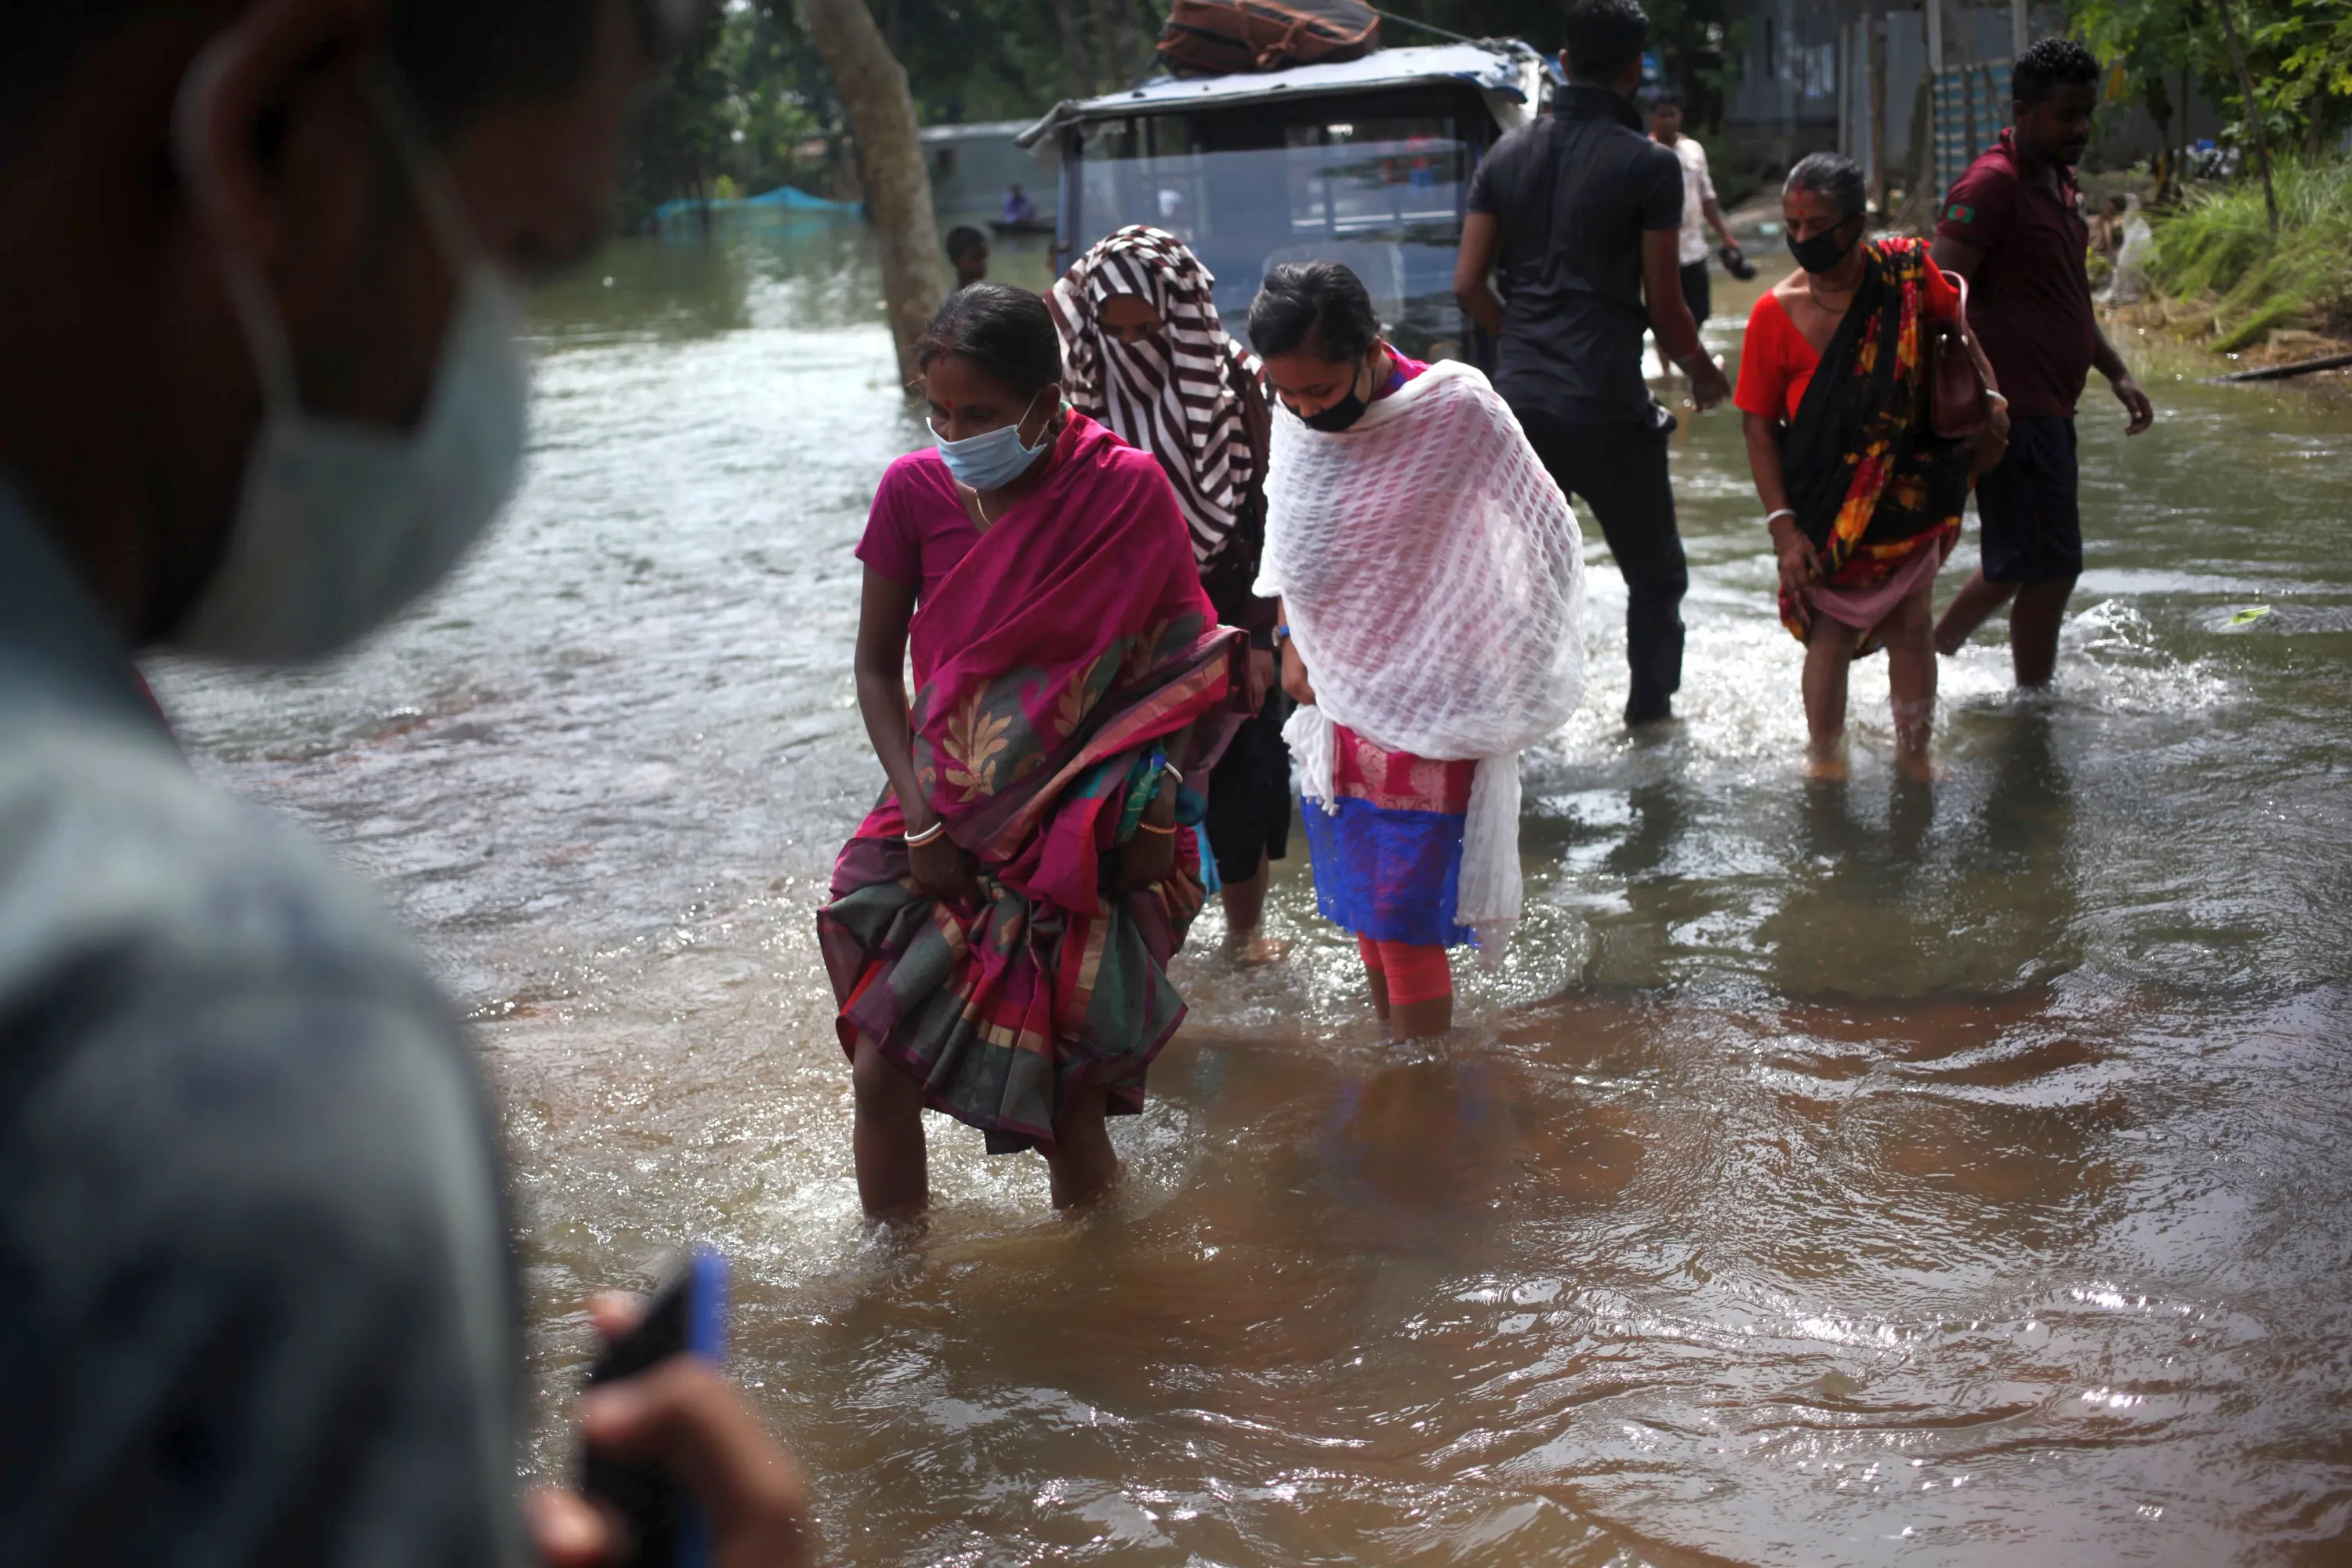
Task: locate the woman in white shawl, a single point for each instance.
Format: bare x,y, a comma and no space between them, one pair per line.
1431,583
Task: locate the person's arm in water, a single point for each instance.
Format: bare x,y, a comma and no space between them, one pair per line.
2139,411
1714,211
1670,317
1800,564
1150,854
1293,668
887,607
1958,255
1474,272
1262,615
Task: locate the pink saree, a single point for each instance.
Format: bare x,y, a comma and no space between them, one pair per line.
1072,637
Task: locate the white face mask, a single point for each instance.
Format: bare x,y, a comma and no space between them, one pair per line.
341,524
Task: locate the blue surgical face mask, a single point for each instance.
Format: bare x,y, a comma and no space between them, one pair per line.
993,459
341,524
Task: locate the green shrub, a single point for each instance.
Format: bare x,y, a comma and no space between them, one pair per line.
2219,241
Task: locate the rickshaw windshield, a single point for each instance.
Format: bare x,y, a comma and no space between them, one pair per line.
1384,196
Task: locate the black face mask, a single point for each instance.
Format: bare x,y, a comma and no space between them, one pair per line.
1824,251
1340,415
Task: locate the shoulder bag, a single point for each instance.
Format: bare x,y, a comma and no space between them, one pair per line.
1958,407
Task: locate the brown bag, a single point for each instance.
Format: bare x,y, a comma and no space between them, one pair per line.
1958,407
1218,37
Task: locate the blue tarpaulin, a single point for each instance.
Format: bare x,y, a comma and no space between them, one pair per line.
784,199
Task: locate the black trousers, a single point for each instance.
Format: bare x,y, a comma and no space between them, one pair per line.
1618,469
1696,293
1249,794
2028,506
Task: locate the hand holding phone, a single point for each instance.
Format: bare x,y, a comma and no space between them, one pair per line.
688,1316
684,1417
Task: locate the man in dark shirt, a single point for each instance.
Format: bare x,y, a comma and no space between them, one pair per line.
2013,227
1579,217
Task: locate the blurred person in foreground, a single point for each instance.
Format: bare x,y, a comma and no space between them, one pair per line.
1862,498
2013,227
258,389
1145,355
1579,217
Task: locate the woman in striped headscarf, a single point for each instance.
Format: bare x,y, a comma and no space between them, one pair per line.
1145,355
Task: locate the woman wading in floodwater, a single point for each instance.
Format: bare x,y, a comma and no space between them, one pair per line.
1146,354
1862,498
1001,925
1431,586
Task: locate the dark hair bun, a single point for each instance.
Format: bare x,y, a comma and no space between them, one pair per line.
1320,307
1004,331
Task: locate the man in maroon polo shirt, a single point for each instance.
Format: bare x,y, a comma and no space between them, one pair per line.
2013,227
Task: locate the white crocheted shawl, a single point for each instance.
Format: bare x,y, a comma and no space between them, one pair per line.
1432,575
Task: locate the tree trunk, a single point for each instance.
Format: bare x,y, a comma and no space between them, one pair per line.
2253,110
1876,27
2181,148
1113,38
872,86
1919,202
1075,53
2159,109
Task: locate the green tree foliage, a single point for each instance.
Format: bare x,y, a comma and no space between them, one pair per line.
746,103
678,138
2299,53
2220,243
2311,81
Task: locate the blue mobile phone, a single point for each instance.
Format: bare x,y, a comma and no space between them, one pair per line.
688,1316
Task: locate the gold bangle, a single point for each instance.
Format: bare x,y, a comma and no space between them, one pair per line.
1169,830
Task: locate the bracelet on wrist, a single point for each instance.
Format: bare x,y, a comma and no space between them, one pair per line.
1995,398
1149,827
1777,513
914,840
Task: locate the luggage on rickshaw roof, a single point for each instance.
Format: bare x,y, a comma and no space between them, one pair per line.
1218,37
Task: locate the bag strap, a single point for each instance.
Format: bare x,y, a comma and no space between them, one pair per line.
1284,49
1961,321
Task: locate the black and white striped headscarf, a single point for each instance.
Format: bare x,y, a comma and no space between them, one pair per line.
1173,396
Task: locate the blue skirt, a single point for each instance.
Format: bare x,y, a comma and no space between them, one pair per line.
1387,874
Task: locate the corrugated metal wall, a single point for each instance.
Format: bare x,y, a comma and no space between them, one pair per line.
1804,84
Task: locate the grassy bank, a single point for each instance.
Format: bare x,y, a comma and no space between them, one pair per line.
2221,268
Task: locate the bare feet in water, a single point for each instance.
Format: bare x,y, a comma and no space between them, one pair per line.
1919,767
1253,947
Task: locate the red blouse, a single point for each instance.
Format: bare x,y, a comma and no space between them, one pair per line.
1776,363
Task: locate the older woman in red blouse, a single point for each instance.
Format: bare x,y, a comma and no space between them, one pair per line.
1862,498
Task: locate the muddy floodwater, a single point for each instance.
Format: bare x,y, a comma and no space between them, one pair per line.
1836,1174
